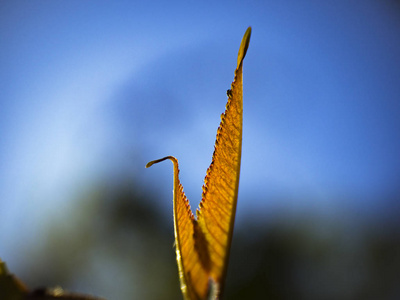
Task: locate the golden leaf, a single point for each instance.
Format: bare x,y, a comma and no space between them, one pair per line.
203,243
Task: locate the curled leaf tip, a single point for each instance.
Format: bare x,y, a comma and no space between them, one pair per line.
150,163
243,46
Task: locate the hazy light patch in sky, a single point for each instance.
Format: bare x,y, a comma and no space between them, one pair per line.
56,134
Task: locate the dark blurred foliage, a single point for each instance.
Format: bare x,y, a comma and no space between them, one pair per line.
309,259
118,244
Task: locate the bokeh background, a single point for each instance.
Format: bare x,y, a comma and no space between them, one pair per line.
90,91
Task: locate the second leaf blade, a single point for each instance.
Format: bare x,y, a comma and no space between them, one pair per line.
218,205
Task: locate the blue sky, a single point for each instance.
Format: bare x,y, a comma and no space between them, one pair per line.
92,89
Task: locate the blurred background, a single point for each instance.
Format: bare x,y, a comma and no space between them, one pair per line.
90,91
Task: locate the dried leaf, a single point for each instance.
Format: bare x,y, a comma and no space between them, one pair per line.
203,243
11,288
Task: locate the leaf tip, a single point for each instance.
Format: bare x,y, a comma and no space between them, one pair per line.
244,45
150,163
